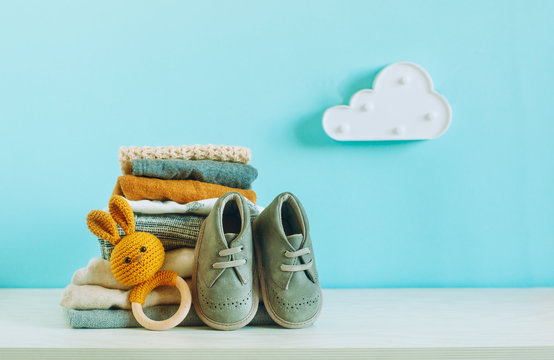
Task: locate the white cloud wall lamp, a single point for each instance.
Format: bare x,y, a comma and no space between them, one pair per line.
401,106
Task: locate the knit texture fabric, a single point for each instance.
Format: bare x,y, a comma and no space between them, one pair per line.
130,265
99,272
236,154
161,278
113,319
181,191
102,225
122,213
228,174
174,231
135,258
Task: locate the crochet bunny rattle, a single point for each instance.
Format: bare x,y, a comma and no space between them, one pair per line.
136,260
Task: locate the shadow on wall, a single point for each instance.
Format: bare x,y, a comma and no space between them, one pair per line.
309,129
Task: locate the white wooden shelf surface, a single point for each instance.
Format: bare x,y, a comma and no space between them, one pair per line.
385,324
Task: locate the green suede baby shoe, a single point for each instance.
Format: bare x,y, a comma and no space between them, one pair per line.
223,289
286,266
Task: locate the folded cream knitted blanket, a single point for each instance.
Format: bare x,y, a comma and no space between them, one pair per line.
227,153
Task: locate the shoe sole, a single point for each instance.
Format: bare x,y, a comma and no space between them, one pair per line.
265,296
196,303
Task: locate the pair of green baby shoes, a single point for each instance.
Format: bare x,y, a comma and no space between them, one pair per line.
236,259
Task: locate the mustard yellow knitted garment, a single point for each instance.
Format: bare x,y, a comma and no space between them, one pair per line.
181,191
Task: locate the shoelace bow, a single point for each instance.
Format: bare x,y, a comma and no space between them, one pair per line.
232,263
295,254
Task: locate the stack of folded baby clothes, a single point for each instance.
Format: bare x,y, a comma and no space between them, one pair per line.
171,190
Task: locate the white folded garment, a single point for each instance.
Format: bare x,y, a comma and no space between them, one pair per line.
201,207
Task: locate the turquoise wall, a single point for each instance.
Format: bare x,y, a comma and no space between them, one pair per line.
472,208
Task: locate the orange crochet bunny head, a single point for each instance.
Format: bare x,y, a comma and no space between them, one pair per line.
137,256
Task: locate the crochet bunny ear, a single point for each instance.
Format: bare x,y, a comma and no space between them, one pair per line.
102,225
122,214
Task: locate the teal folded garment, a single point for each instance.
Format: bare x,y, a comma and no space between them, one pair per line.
228,174
117,318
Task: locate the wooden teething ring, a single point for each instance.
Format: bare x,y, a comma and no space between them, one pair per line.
173,321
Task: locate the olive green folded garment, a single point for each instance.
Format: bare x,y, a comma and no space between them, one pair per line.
229,174
174,231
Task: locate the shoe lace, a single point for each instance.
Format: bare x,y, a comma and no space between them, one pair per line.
295,254
232,263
